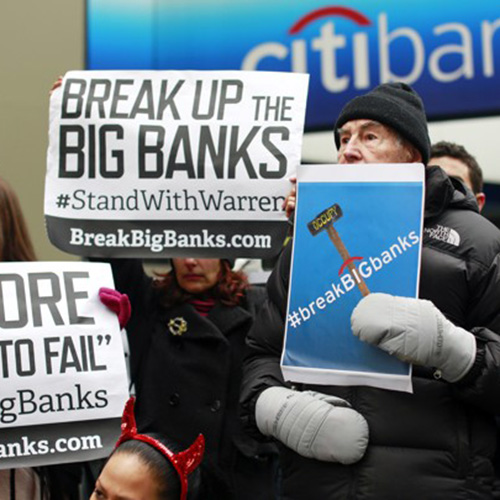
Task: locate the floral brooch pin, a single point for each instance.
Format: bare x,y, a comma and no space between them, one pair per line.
178,326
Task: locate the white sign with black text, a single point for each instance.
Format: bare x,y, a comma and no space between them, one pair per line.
63,381
61,355
165,163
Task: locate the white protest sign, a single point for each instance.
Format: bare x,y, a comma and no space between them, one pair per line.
61,356
166,163
62,369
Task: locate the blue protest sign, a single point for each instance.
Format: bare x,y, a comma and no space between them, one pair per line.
357,230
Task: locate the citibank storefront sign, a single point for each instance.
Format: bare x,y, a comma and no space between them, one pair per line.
449,51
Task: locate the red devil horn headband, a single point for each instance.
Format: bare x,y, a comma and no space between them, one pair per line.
184,462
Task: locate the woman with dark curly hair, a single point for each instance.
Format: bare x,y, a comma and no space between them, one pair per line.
187,336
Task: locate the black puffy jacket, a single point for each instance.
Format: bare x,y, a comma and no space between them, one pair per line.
439,442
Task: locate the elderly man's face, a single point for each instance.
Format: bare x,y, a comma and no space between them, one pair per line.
367,141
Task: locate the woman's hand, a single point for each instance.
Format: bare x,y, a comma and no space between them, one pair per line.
117,302
56,84
290,200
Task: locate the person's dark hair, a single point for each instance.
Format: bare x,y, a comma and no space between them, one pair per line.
169,486
15,241
230,288
453,150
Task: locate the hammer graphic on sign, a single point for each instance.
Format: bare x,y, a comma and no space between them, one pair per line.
325,220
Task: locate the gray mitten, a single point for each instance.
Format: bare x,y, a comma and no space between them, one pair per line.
312,424
414,330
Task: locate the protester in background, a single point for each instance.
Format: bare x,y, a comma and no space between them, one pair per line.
186,338
456,161
187,335
368,443
55,482
16,245
15,241
146,466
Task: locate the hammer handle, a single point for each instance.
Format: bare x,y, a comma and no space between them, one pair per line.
344,254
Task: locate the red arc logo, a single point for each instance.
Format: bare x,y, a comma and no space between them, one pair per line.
347,262
351,14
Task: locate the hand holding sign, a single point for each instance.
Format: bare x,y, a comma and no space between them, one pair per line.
117,302
414,330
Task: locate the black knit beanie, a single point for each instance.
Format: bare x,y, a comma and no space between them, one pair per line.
396,105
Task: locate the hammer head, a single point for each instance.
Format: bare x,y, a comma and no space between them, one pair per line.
324,219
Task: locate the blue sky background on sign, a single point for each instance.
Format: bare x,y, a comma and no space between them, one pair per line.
372,221
450,51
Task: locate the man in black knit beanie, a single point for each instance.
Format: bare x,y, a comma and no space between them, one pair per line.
365,443
395,105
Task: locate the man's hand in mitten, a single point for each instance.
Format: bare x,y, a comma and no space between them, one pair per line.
414,330
312,424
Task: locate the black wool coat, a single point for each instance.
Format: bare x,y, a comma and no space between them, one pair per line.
187,372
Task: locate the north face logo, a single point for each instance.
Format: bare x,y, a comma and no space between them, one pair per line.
442,233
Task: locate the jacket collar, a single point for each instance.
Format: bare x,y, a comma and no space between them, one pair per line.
228,318
438,191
